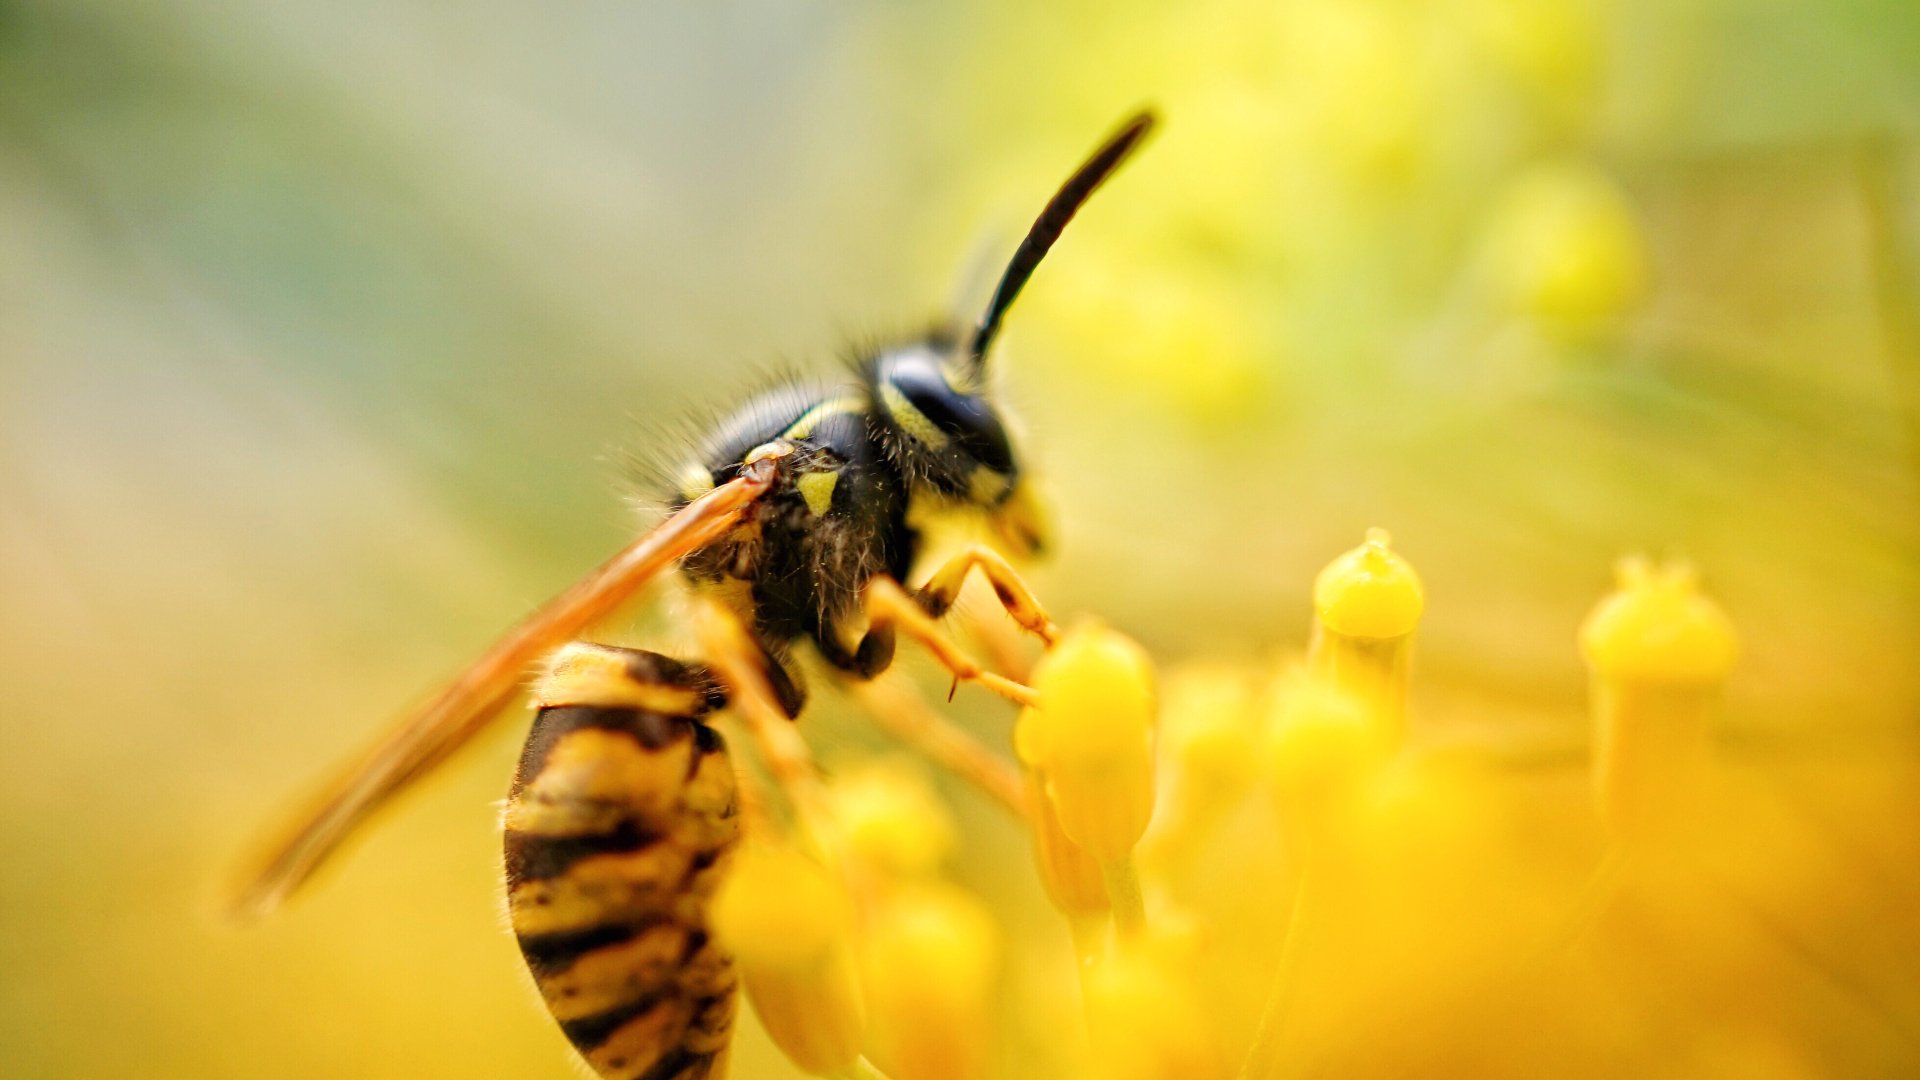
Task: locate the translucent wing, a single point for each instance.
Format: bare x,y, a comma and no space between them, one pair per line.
425,736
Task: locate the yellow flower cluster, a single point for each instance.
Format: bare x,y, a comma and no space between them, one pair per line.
1249,879
861,948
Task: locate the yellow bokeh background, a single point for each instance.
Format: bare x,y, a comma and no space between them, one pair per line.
327,334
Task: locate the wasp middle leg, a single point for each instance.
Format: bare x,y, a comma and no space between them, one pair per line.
621,814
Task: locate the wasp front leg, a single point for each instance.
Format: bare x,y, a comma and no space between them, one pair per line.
943,588
622,812
889,608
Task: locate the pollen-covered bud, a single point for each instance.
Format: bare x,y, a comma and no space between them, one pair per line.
1367,604
930,955
886,816
1660,650
787,922
1092,738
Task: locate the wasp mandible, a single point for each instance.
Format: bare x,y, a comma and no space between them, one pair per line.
799,517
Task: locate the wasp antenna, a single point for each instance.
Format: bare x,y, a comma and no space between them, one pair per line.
1046,228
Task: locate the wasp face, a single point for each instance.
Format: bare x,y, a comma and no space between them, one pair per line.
948,436
947,433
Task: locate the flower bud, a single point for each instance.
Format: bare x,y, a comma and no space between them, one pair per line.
1659,651
1092,738
1209,738
1369,592
885,815
1209,728
1145,1020
1567,250
786,920
1367,604
1322,743
930,956
1656,627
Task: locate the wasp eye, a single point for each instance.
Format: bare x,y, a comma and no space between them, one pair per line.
959,430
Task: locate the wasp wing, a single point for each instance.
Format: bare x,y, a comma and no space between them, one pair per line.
424,737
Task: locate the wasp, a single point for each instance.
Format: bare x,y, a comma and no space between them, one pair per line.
797,519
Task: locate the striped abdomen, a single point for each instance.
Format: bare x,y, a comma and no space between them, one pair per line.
618,821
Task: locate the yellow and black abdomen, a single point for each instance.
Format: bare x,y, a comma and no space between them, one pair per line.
622,811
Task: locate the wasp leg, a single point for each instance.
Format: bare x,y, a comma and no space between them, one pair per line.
748,671
867,659
621,815
943,588
898,709
888,607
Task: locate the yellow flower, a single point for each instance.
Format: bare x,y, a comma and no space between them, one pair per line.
1210,734
1367,604
1369,592
1322,742
1173,330
1566,248
1659,651
930,955
1144,1018
1656,627
1092,738
788,924
1368,85
1210,723
1555,48
1070,876
888,816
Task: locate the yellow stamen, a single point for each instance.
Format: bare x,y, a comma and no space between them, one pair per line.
1367,604
1322,742
1659,651
1092,738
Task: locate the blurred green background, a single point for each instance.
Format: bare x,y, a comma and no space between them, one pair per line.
325,331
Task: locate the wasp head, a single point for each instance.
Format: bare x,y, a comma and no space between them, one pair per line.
949,435
931,395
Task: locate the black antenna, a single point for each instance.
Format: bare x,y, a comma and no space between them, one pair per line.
1046,228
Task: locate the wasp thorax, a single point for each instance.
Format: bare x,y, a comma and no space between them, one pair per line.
947,433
